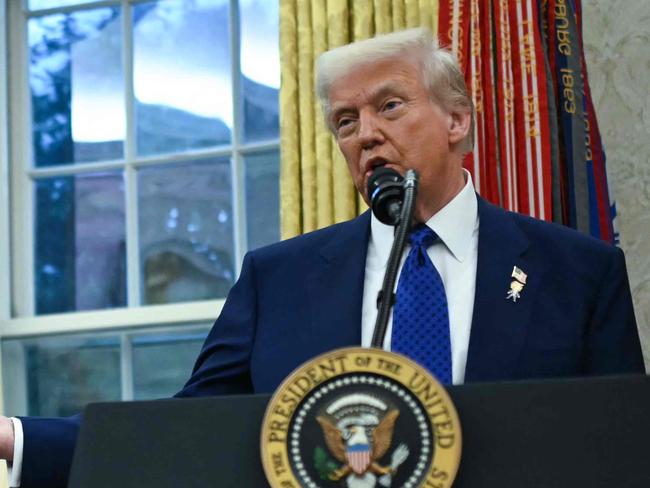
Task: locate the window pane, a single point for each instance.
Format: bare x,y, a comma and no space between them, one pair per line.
75,76
260,68
263,199
59,375
182,78
40,4
80,247
162,363
186,231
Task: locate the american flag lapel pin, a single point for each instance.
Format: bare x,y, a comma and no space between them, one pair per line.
517,284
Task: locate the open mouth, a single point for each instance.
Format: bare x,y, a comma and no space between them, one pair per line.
375,163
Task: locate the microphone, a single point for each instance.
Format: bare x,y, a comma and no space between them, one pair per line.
393,202
386,193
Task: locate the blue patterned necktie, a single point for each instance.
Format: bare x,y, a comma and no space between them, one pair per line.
421,315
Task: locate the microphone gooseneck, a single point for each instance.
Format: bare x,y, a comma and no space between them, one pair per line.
386,297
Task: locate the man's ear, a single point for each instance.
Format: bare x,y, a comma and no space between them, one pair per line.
459,123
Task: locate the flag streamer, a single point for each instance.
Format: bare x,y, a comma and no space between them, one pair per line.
537,147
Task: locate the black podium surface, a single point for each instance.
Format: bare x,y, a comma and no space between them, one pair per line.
547,434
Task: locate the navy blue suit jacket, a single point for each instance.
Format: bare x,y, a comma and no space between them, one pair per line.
302,297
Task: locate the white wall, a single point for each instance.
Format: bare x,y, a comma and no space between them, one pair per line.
616,38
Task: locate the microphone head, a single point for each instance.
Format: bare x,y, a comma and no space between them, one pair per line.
386,194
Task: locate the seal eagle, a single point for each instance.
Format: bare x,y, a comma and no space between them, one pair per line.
353,448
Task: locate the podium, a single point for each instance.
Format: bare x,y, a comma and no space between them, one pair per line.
592,432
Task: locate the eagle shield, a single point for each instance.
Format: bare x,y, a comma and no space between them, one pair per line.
358,457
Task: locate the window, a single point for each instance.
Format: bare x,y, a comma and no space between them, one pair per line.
144,163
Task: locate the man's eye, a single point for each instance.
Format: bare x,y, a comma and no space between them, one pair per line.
344,123
392,104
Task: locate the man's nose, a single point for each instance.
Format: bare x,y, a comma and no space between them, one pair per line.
370,133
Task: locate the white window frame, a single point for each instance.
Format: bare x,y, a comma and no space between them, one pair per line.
5,274
17,307
5,288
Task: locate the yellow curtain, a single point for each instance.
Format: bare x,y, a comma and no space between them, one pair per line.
315,187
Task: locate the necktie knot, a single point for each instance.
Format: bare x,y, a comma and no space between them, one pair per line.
422,236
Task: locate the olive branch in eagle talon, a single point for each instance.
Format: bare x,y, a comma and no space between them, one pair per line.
341,446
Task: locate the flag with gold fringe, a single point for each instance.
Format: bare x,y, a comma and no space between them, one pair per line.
537,149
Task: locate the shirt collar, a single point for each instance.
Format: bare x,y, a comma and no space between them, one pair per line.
454,224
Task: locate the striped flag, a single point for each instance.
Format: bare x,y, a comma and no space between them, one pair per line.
537,147
358,456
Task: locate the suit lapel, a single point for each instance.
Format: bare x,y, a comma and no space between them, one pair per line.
336,285
499,325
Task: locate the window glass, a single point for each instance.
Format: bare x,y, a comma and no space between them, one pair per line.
62,374
182,78
76,81
186,231
260,68
162,363
263,198
185,205
59,375
80,256
41,4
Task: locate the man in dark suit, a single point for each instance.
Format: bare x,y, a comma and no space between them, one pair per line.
526,299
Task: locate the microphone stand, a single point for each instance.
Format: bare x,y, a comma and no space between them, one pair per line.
386,297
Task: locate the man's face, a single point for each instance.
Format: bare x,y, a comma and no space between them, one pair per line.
382,115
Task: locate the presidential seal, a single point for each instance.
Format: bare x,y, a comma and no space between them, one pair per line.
360,418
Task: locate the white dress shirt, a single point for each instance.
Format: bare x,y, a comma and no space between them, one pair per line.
15,469
454,256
